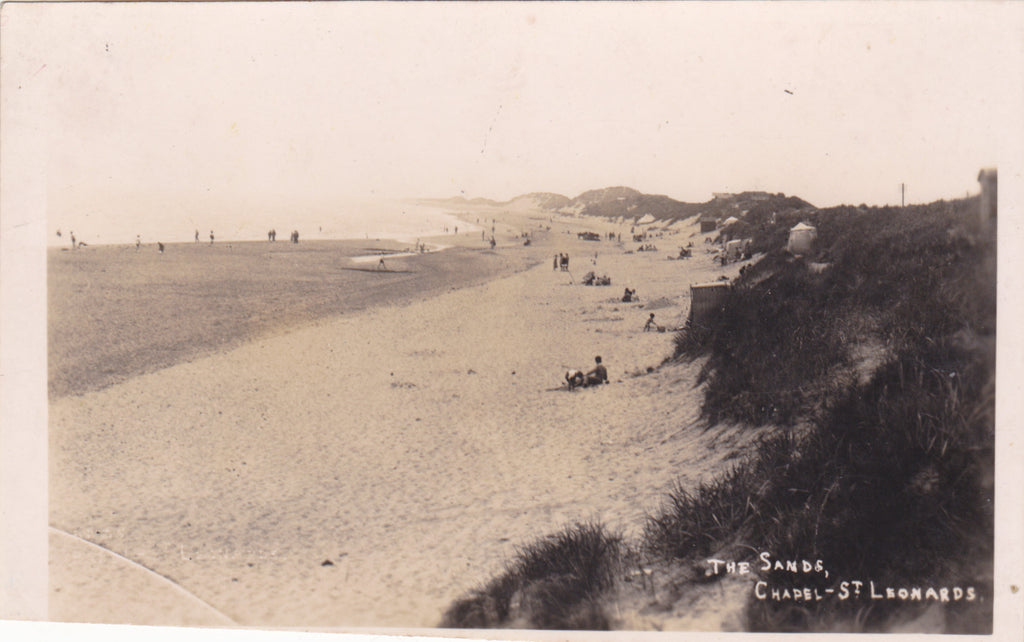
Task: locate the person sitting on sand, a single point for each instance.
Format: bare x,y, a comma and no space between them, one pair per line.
598,375
628,295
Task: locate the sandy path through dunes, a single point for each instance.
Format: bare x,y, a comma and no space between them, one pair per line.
411,447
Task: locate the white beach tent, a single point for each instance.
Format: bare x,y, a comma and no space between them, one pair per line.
730,221
801,238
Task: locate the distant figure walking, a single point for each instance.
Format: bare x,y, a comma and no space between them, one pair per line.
197,236
650,323
160,246
211,237
273,235
492,243
554,265
138,242
380,264
73,243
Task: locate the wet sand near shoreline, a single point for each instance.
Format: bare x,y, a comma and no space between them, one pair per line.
369,468
115,312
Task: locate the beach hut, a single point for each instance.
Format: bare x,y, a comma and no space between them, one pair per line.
708,224
801,238
989,197
705,299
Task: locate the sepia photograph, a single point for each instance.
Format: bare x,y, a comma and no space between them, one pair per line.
512,320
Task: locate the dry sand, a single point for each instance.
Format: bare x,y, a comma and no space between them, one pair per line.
368,469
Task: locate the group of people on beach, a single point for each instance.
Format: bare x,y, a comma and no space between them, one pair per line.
138,244
272,236
561,261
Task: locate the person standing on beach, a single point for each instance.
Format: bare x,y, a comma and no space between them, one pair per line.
73,243
197,236
211,237
555,264
138,242
160,246
650,323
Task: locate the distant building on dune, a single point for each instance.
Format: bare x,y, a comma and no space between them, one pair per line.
989,195
801,238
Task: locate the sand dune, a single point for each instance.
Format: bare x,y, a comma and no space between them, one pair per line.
369,469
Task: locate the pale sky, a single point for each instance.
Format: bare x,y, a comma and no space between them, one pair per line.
195,110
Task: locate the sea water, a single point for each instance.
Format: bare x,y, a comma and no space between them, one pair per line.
398,220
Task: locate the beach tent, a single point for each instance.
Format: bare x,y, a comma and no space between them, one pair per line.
734,250
801,238
706,299
731,220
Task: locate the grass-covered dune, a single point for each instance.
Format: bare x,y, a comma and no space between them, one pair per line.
874,357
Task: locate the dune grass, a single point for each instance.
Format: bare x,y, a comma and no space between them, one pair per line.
553,583
887,475
893,480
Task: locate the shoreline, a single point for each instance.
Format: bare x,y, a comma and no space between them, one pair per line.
199,300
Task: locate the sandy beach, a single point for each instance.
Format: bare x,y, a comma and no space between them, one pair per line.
366,466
